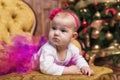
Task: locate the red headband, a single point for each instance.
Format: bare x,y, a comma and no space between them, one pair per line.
55,11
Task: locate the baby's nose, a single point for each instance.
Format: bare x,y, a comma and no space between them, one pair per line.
57,32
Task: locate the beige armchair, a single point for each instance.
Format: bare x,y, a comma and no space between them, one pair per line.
17,18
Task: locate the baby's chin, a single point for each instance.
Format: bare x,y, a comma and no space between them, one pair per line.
54,43
57,44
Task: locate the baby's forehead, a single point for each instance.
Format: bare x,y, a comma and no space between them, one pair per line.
64,18
63,22
64,15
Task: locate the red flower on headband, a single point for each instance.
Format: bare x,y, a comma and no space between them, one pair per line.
54,12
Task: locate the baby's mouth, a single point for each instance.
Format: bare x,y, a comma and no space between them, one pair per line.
55,39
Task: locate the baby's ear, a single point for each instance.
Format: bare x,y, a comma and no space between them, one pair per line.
75,35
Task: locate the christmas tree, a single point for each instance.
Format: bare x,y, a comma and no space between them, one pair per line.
100,26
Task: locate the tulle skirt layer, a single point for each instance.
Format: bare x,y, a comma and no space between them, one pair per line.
18,57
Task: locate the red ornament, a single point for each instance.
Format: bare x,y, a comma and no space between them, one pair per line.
95,4
84,23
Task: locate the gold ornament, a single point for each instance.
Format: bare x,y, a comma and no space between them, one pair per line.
117,17
118,0
109,36
97,14
96,48
95,34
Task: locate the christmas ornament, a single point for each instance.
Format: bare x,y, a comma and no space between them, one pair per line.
95,34
84,23
117,17
95,4
109,36
96,48
118,0
97,14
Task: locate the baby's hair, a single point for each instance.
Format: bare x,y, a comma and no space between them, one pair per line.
55,12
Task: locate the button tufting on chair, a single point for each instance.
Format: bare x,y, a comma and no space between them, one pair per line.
15,18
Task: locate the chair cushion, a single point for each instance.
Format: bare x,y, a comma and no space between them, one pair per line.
101,73
16,17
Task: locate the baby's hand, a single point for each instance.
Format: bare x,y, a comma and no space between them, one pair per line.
87,71
72,70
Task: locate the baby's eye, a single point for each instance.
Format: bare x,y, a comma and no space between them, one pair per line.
63,30
54,28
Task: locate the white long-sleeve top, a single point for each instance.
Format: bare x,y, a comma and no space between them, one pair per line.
50,64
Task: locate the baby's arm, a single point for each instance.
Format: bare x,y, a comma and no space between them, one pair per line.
84,67
82,63
72,70
48,66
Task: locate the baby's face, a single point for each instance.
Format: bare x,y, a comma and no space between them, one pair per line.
61,31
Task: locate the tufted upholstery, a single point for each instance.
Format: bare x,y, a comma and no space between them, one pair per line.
101,74
15,18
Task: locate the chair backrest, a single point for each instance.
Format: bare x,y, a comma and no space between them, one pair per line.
16,18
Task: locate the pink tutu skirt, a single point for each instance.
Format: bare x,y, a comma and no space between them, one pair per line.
18,56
